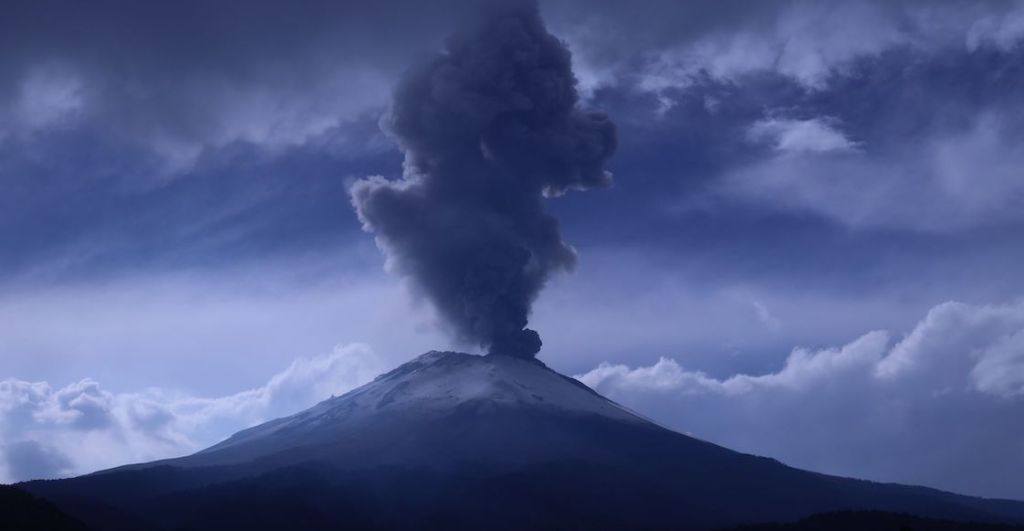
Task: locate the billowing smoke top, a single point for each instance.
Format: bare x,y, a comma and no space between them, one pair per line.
489,129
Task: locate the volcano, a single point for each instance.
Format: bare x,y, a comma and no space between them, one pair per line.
459,441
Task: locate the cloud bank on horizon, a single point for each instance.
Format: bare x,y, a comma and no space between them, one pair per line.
939,406
48,432
490,128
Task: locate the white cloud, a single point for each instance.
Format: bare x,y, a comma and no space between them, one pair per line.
803,41
1002,31
48,95
941,406
803,370
815,135
48,432
1000,370
808,42
765,315
946,181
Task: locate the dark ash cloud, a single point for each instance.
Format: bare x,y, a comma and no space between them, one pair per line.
489,129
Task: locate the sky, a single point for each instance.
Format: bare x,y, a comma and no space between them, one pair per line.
810,249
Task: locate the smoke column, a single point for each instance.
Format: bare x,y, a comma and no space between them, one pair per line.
489,129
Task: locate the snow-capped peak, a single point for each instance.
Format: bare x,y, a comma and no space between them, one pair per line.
436,384
438,381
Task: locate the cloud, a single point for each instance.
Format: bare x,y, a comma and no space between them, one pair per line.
941,406
881,115
47,96
949,178
34,459
284,75
901,116
765,315
47,432
808,42
1001,368
240,139
814,135
268,74
1003,31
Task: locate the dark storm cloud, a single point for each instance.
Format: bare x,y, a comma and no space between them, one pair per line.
185,75
189,133
137,134
489,129
892,106
253,110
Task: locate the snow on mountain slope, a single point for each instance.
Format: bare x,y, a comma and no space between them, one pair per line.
431,387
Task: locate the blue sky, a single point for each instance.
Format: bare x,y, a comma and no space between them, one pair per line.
810,250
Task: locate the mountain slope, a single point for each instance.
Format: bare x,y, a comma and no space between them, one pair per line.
21,511
475,393
459,441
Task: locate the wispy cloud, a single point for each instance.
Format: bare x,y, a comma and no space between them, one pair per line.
947,179
790,136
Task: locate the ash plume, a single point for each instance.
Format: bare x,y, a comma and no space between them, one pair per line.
489,129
